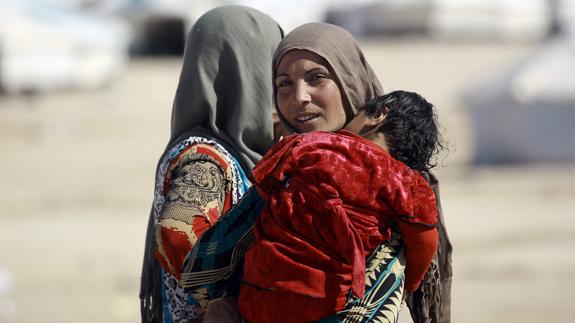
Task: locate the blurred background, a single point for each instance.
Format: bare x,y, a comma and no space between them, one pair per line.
86,94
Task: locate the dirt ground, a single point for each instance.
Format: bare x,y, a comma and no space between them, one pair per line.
76,180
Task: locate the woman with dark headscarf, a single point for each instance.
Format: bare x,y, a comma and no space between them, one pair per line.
334,81
221,126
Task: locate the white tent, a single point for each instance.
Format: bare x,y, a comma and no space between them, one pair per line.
45,47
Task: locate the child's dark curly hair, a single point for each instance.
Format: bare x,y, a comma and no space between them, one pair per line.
410,128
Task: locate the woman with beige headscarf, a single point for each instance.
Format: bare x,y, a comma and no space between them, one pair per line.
221,126
336,81
305,110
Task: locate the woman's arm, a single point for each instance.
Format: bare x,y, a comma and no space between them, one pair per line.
197,191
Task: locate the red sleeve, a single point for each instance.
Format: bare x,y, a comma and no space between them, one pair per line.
420,247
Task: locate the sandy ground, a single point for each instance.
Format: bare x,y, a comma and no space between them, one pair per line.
76,179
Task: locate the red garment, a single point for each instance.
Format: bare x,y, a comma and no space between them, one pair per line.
420,245
330,197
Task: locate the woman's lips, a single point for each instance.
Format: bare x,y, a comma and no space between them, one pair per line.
307,118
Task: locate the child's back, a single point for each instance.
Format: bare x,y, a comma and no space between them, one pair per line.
330,200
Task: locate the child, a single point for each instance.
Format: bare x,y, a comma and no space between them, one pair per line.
331,199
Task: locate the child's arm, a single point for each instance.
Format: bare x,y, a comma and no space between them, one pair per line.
420,245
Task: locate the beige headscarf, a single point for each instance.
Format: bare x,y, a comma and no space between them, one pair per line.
224,94
337,46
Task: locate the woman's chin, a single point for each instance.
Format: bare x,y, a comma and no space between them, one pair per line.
311,125
309,128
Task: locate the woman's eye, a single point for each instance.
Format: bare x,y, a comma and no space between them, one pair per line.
317,77
283,83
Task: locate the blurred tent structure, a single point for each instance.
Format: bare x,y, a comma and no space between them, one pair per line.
382,17
290,14
507,20
54,44
160,25
526,113
493,20
46,46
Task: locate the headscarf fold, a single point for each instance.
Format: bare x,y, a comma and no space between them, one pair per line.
224,94
337,46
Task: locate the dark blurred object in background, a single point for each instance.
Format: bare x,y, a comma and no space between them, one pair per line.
160,27
164,36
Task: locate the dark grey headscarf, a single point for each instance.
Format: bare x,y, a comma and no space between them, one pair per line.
224,91
337,46
224,94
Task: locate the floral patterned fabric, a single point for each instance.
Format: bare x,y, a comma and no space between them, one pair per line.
198,180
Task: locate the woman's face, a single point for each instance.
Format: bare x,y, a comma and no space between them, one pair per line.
307,93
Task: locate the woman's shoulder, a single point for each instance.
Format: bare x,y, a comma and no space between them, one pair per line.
200,150
200,147
198,157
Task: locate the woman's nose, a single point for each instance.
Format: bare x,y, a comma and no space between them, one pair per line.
301,93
